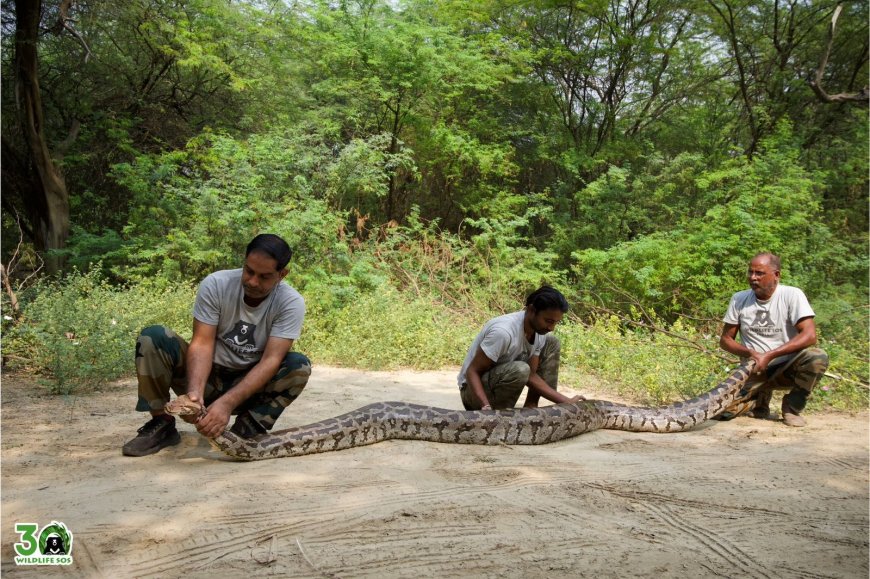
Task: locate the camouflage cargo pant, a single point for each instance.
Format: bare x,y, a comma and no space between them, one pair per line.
799,375
504,383
160,367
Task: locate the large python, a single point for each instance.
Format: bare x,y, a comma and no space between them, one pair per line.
400,420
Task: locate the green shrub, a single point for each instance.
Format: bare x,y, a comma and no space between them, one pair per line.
491,271
385,329
80,332
769,203
655,368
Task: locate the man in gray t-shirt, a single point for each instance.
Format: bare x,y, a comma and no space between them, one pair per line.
515,351
777,329
240,359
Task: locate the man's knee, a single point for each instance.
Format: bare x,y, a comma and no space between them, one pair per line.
505,383
548,369
292,376
297,363
815,361
808,371
155,339
552,346
159,362
516,372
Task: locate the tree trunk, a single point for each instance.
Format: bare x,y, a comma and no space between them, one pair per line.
394,147
48,202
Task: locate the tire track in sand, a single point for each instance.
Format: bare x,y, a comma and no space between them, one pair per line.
711,541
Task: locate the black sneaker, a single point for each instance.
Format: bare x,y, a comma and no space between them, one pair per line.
246,427
157,433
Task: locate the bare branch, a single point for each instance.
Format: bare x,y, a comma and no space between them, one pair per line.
849,380
13,300
861,97
6,270
34,273
62,148
63,23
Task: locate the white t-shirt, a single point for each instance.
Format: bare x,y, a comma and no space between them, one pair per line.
503,340
767,325
242,331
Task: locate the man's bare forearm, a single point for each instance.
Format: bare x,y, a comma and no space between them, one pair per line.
199,364
474,382
732,346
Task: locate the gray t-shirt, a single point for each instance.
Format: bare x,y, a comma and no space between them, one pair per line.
242,331
502,340
767,325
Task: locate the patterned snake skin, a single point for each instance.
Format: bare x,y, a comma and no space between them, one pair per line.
400,420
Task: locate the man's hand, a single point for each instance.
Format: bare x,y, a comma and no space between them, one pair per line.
762,359
215,421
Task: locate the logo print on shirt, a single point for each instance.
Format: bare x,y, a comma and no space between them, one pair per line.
241,338
762,319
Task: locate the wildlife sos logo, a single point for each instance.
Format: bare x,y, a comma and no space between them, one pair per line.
50,546
763,324
241,338
762,319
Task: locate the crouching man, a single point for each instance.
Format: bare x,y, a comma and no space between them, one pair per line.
513,352
240,359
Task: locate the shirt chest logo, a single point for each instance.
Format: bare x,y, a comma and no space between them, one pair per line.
241,338
762,320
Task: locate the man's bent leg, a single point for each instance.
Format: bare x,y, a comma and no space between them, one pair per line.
803,373
285,387
754,398
761,408
548,368
160,366
747,399
504,383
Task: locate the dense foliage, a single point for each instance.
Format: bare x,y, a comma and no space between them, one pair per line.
432,161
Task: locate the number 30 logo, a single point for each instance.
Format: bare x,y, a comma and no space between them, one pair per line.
29,541
51,546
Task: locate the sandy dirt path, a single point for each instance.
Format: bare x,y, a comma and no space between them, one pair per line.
745,498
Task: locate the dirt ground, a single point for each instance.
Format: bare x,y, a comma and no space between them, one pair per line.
745,498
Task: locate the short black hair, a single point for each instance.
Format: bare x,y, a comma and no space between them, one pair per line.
273,246
547,298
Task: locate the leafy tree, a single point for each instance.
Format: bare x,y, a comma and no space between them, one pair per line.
375,71
768,203
195,210
120,78
775,48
